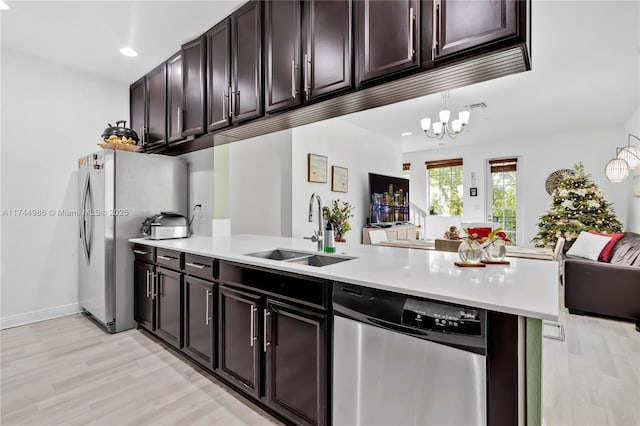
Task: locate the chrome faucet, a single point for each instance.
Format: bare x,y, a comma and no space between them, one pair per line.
317,235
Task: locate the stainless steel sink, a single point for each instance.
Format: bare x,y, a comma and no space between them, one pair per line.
279,254
318,260
301,258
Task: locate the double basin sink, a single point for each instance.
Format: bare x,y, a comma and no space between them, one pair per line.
300,257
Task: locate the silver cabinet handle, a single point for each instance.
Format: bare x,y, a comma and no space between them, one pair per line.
434,44
166,257
307,72
411,52
141,135
208,317
294,92
154,285
196,265
179,119
252,330
230,98
143,253
264,330
225,102
148,291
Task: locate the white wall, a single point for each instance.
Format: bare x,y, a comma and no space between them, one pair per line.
633,217
538,157
51,116
345,145
200,190
260,185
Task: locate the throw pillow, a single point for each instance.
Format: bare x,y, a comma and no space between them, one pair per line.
588,245
605,254
482,232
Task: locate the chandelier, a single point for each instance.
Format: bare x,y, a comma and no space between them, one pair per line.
444,126
627,158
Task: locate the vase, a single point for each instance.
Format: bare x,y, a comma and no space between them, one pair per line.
470,251
495,250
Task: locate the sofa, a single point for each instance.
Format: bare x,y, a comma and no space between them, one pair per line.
611,289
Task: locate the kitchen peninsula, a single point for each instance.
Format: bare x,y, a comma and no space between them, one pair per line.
252,305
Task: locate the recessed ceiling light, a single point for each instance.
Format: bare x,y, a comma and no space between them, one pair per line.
127,51
3,5
406,134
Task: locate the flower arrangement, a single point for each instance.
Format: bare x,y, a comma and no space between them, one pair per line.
496,234
339,216
453,233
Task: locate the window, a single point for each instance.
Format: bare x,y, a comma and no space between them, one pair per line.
406,170
445,187
503,195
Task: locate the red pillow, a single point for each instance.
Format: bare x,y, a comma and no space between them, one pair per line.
482,232
605,254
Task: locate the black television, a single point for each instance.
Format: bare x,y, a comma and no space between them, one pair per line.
389,197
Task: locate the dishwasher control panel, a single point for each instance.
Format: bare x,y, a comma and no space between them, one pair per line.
426,315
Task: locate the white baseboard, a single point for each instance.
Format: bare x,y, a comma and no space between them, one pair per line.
36,316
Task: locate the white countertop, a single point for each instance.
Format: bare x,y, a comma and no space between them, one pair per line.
526,287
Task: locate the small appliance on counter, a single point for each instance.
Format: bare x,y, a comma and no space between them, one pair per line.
165,225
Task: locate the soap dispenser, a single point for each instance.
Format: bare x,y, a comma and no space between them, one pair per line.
329,239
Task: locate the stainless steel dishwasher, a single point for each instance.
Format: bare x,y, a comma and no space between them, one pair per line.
403,360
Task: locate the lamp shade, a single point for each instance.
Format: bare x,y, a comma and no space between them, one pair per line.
631,155
425,123
616,170
456,126
444,115
464,116
437,128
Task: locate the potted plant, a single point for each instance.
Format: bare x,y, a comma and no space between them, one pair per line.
338,216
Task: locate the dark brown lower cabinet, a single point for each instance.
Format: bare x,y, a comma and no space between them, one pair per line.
296,362
199,320
169,306
144,311
239,345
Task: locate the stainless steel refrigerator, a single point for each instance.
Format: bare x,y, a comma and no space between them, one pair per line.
117,191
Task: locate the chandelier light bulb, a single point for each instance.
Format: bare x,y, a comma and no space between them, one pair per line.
425,123
616,170
437,128
631,155
444,116
464,116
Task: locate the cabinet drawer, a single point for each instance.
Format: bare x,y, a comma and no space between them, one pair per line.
306,290
200,266
170,258
144,253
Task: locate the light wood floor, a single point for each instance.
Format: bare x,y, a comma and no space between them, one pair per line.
68,371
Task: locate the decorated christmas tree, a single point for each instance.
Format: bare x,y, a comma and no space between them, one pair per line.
578,205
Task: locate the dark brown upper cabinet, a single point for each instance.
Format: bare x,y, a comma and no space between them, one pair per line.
148,97
283,38
246,62
328,47
387,34
464,25
192,114
219,75
174,98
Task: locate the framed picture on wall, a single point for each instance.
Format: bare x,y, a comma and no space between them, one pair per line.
339,179
316,168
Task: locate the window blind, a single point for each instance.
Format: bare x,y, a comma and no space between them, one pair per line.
503,165
444,163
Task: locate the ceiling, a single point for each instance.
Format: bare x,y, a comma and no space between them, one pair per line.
586,57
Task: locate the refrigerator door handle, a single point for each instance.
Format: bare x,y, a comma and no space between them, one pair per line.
83,226
89,222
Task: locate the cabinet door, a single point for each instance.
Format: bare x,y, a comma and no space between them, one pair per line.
174,98
219,75
382,52
239,346
169,306
246,48
137,109
296,363
143,295
199,320
464,24
192,120
282,50
328,51
157,106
